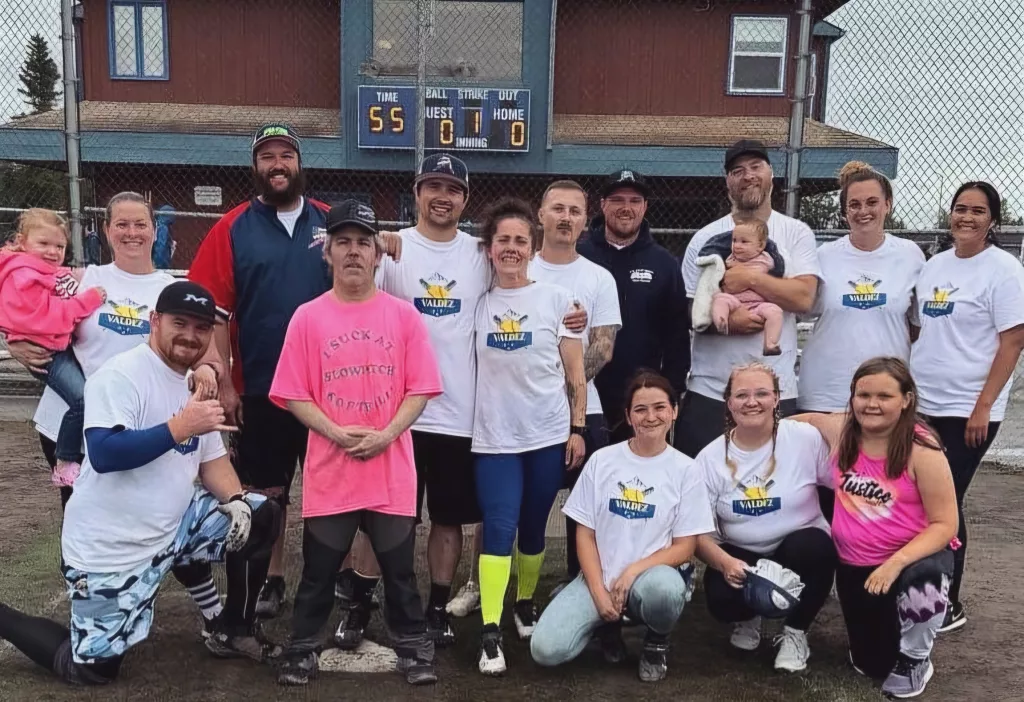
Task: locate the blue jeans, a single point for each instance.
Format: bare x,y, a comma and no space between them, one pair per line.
515,492
64,376
656,599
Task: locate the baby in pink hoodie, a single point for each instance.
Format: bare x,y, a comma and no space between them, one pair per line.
749,240
38,304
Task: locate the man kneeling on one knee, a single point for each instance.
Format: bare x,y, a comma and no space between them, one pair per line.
639,506
136,513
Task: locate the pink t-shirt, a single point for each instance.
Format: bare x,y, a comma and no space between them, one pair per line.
763,263
875,516
357,362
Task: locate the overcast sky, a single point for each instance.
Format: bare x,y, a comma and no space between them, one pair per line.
941,79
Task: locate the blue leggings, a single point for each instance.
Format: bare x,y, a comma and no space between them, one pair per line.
515,492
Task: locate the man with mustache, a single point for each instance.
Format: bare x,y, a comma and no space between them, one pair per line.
261,261
655,318
563,214
357,369
136,511
748,177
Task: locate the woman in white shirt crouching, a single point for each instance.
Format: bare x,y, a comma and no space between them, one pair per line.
762,478
639,506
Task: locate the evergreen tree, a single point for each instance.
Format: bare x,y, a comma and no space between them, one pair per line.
39,75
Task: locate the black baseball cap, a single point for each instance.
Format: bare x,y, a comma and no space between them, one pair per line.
189,299
270,132
444,166
625,178
745,147
352,213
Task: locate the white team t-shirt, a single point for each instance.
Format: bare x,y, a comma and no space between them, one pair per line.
444,282
520,384
715,355
637,505
756,511
863,302
594,289
117,521
288,219
120,324
964,304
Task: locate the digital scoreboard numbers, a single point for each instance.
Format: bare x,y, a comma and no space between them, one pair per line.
456,119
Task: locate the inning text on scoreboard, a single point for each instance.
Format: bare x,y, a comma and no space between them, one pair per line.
466,119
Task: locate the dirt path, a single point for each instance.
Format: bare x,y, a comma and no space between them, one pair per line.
979,662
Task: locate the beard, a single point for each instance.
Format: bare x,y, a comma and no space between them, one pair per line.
750,199
276,198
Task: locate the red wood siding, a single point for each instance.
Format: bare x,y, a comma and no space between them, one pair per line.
656,57
229,52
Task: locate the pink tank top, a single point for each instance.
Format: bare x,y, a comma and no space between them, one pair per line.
875,516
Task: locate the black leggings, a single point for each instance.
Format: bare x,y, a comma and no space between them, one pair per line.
904,620
325,543
963,462
808,552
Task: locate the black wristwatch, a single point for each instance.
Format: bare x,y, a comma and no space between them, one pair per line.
578,431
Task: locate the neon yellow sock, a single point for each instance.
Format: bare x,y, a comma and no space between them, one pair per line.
527,574
495,572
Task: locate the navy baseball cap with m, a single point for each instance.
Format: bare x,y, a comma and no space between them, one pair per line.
188,299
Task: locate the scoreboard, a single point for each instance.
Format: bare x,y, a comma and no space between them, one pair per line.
456,119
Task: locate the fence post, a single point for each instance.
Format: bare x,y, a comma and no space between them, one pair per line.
796,119
421,80
72,139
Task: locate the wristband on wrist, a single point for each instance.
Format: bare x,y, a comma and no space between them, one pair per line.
578,430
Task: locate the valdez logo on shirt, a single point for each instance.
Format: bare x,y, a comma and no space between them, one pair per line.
187,446
438,302
940,305
641,275
127,319
756,501
632,504
865,295
510,335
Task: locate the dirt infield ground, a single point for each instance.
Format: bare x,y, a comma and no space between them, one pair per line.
980,662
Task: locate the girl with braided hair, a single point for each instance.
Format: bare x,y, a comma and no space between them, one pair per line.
762,477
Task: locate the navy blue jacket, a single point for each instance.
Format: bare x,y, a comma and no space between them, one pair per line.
259,276
655,330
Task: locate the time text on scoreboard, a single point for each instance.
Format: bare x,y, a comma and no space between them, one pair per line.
466,119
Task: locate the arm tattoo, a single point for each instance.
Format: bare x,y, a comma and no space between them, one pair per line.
599,352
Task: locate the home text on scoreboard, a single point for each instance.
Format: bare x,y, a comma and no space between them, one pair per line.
456,119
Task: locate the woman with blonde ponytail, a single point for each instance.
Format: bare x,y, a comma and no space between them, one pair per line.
762,477
864,307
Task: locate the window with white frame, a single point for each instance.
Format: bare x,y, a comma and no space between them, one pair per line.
812,85
757,57
471,40
138,39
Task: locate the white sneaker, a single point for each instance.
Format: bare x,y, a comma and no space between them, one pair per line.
793,650
466,601
492,658
746,636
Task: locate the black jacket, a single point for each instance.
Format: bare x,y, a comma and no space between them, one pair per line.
655,330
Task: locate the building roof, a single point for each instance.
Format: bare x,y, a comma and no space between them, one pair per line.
698,131
828,30
186,118
568,129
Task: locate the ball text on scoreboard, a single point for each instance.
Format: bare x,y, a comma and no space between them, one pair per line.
457,119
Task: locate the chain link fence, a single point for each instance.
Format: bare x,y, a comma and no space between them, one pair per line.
169,92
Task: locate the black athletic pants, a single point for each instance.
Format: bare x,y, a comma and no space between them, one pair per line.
809,553
905,619
963,462
325,543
